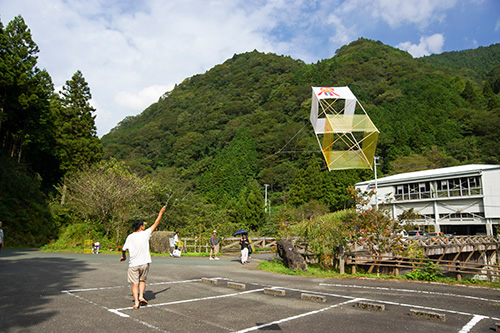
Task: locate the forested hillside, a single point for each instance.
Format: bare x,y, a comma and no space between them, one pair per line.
432,112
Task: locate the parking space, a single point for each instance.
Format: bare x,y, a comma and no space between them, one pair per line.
219,304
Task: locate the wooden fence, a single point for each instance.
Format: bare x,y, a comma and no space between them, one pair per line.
393,265
228,245
456,247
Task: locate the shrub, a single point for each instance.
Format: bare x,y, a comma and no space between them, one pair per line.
430,272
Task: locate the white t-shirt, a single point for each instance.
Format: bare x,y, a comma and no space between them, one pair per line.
137,245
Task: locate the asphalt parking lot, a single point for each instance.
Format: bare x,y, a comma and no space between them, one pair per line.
54,292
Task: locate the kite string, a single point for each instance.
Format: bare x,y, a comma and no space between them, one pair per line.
286,144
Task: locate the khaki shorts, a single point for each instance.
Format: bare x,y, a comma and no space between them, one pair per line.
138,273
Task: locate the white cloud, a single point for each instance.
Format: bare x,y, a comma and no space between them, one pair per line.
497,26
140,100
427,46
342,33
397,13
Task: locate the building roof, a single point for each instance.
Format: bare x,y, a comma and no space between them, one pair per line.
432,173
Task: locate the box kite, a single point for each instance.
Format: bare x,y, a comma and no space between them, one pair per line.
346,135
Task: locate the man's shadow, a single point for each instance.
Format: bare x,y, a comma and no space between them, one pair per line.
150,295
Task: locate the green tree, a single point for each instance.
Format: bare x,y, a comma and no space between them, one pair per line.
469,92
247,209
25,90
106,195
231,170
308,185
77,141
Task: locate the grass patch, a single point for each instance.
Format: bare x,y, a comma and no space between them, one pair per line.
278,266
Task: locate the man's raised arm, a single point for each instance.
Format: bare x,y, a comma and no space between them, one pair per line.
157,221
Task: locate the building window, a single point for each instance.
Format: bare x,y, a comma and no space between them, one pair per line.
398,194
442,188
462,216
414,194
445,188
425,190
475,185
454,187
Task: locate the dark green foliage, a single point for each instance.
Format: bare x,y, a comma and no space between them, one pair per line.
478,61
430,272
26,217
76,134
246,209
26,113
230,171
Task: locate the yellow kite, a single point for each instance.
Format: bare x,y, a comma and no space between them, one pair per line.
346,135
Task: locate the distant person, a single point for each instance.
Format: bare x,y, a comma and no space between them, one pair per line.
95,247
244,248
1,236
176,243
137,244
214,246
249,248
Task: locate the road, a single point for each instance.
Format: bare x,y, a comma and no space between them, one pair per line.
55,292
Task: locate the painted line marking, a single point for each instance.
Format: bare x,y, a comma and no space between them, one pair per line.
476,319
118,287
194,299
409,291
112,310
254,328
395,303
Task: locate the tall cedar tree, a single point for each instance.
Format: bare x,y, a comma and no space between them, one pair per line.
23,88
26,96
77,141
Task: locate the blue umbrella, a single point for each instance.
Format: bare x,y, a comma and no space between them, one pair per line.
239,232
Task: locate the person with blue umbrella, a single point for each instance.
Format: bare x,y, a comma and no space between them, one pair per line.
244,248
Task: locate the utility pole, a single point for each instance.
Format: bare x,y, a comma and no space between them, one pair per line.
265,198
375,158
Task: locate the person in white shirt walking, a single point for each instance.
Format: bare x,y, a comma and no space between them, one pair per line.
137,244
175,242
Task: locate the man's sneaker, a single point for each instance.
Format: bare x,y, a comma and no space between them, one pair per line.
216,258
211,258
170,253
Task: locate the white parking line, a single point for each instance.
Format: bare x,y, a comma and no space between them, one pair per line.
409,291
117,287
254,328
193,300
476,319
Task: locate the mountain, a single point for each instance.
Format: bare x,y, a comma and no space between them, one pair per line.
435,111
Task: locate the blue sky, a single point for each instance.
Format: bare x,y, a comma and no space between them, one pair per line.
133,51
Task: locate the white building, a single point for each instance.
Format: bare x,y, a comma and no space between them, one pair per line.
462,200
